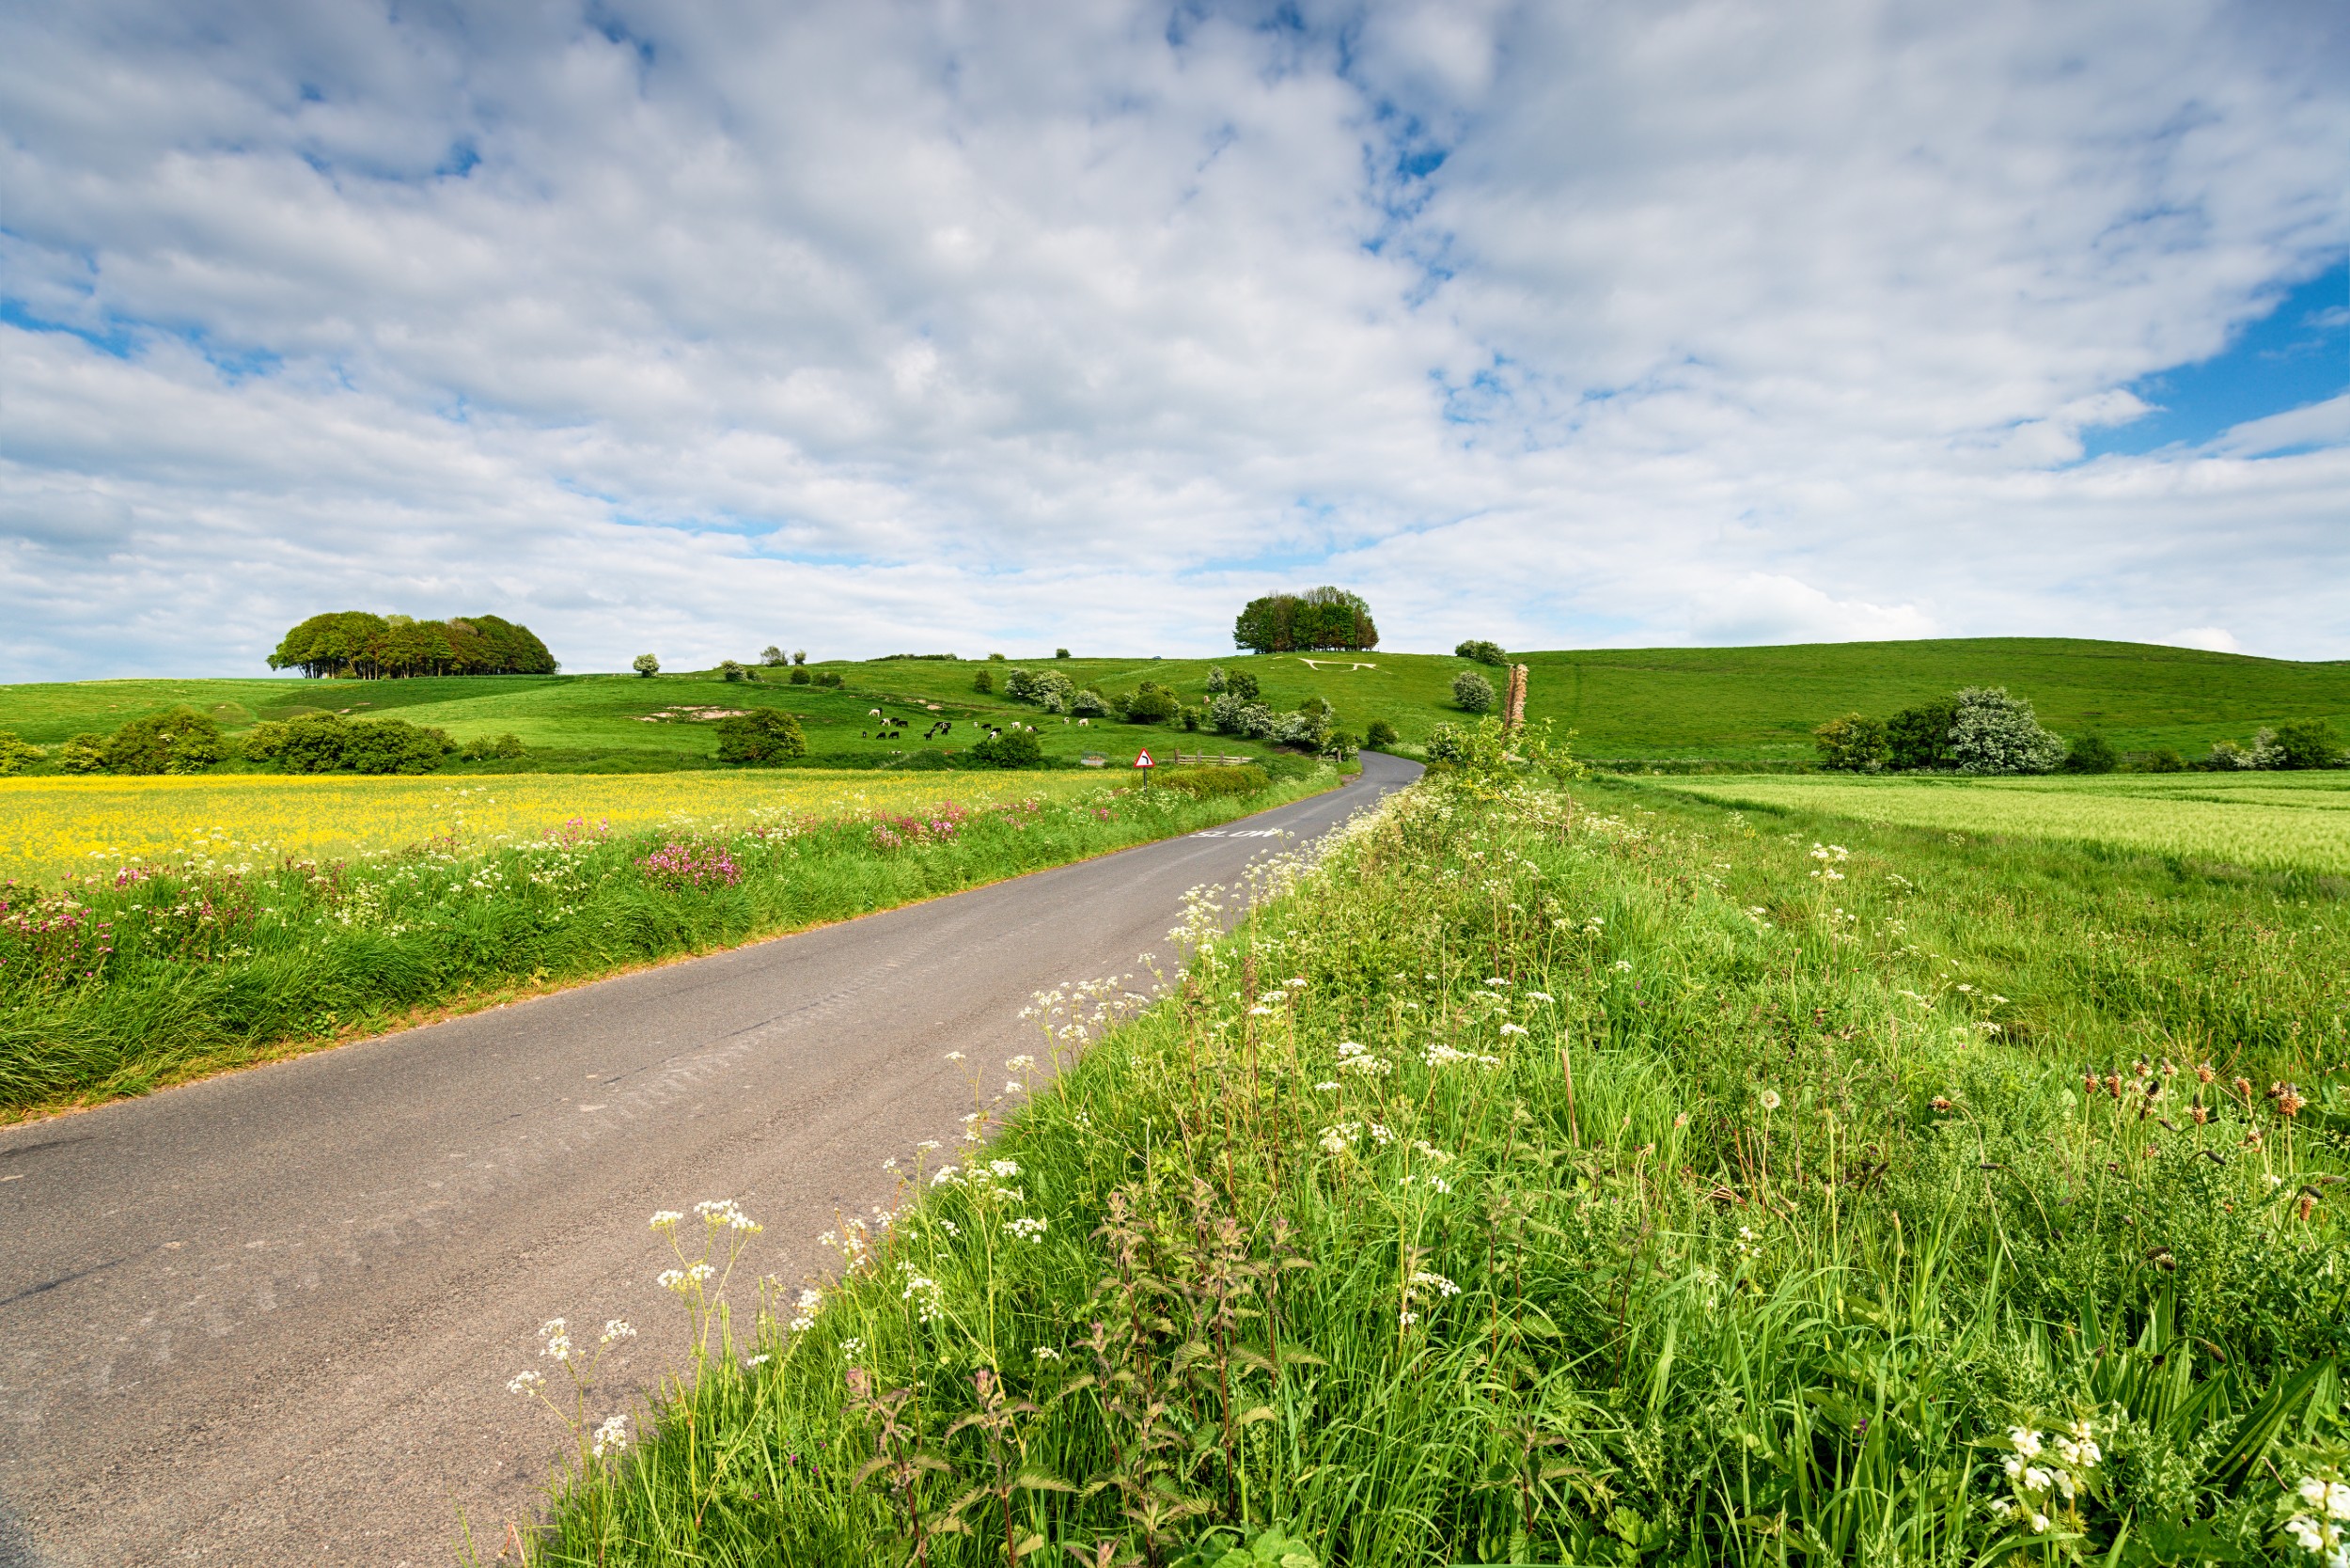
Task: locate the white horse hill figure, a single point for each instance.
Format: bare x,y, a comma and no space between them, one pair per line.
1317,664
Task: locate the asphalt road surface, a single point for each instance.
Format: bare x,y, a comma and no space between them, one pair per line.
268,1319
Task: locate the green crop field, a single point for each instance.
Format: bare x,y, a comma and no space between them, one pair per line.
2277,821
1753,704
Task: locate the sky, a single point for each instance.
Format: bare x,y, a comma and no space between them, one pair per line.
885,326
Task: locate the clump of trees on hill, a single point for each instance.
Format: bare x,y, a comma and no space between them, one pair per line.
1984,729
357,643
1320,618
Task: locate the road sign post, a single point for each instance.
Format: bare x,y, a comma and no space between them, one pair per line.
1142,761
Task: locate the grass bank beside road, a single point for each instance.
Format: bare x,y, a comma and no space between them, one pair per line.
1612,1176
158,967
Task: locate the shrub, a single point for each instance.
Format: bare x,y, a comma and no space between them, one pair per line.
830,678
1483,653
2308,743
17,754
799,675
1015,747
995,658
1088,703
1473,692
1190,717
1242,685
771,655
1920,737
2091,753
730,670
644,664
1448,742
1340,743
1148,703
799,655
83,754
1381,735
179,741
329,743
2161,760
1853,744
761,739
486,748
982,680
1996,733
1218,679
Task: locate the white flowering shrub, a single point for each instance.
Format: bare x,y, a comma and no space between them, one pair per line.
1472,692
1997,733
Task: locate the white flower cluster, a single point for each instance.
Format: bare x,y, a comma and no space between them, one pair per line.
2043,1468
1028,1227
2316,1527
811,1303
929,1299
1445,1056
683,1279
611,1437
1357,1060
1338,1139
1417,1288
721,1214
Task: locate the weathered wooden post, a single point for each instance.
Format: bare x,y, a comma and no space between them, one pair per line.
1513,710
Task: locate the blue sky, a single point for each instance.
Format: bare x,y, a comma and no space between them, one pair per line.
697,326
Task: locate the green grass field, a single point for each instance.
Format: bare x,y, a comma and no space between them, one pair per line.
1603,1177
1755,704
2268,820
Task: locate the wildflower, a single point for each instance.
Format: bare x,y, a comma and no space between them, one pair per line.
758,1361
1538,997
1338,1139
1046,1353
1019,1064
668,1279
1939,1103
667,1219
1496,980
1623,966
1003,1170
616,1329
1511,1029
851,1348
1028,1227
954,1056
1770,1100
1326,1088
611,1436
2026,1440
559,1344
1436,1283
524,1383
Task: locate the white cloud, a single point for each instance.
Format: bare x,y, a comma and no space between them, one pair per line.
896,328
2212,639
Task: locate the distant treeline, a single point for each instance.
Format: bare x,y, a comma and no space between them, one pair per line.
1302,622
356,643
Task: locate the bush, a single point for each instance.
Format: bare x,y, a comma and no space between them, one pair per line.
771,656
1473,692
1242,685
2161,760
730,670
1996,733
1089,704
17,754
83,754
1380,736
982,680
486,748
799,675
1150,703
1218,679
2091,753
1190,717
830,678
1448,742
329,743
644,664
1920,737
761,739
1483,653
1047,689
1015,747
1853,744
1061,652
179,741
1201,783
1340,743
2308,743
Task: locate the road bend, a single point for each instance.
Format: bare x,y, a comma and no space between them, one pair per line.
269,1318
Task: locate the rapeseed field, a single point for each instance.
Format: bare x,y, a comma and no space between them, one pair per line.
50,827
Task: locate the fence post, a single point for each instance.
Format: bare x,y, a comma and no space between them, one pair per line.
1513,710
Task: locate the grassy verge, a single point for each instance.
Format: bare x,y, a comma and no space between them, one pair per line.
153,973
1606,1179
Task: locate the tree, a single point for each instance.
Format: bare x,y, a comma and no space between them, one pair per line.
982,680
1483,653
1853,744
17,754
1061,652
1473,692
1321,616
799,655
180,740
761,739
2308,743
2091,753
1015,747
646,665
1996,733
1920,737
1148,703
1380,736
771,655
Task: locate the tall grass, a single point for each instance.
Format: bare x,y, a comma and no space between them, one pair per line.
1551,1180
148,975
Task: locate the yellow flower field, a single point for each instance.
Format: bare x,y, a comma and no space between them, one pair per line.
50,826
2285,821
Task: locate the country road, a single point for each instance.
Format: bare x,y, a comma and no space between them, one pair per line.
268,1319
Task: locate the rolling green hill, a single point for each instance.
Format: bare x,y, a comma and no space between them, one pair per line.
1740,704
